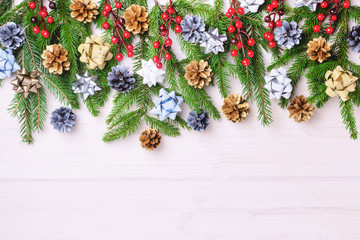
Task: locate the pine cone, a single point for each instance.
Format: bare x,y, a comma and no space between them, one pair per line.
198,74
121,79
288,35
198,121
136,19
319,49
55,59
193,28
354,38
63,119
300,110
150,139
84,10
11,35
235,108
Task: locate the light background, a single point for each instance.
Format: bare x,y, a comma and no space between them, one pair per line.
234,181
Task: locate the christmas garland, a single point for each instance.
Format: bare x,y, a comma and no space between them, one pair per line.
50,45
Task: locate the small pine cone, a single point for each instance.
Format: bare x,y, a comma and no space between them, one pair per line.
55,59
150,139
121,79
198,74
136,19
235,108
319,49
84,10
300,110
354,38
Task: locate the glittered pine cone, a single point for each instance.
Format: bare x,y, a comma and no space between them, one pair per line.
198,74
11,35
136,19
150,139
300,109
121,79
354,38
235,108
319,49
55,59
84,10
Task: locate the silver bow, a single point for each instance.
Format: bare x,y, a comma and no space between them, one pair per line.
85,85
213,42
311,4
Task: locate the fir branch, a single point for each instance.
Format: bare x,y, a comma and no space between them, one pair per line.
162,126
348,116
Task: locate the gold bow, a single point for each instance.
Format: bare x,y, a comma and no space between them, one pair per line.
26,82
340,82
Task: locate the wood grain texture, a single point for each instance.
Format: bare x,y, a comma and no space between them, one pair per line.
234,181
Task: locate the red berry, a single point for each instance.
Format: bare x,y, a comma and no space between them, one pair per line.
266,35
165,33
159,65
156,59
32,5
250,53
45,33
271,25
178,29
50,20
329,30
321,17
231,11
171,10
234,53
165,16
324,4
272,44
278,23
119,57
228,15
269,8
231,29
114,40
274,4
36,29
167,56
156,44
271,37
107,8
178,19
316,28
105,13
130,54
106,25
241,10
118,5
333,18
126,34
251,42
346,4
130,47
168,42
240,45
43,13
238,24
246,62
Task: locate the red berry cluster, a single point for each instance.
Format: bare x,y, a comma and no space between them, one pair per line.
240,34
168,16
332,14
43,13
275,9
118,21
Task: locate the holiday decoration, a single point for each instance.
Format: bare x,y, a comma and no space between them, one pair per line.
276,11
311,4
85,85
150,73
319,49
300,109
136,19
198,121
95,53
354,38
84,10
235,108
213,41
11,35
340,82
63,119
198,74
8,63
251,5
55,59
288,34
26,82
45,18
278,84
167,105
150,139
121,79
193,28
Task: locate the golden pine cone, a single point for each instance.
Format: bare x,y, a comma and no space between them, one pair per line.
136,19
84,10
150,139
198,74
300,110
55,59
235,108
319,49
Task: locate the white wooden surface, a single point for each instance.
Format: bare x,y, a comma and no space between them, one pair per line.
234,181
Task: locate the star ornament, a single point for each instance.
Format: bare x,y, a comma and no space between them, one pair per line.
213,42
26,82
167,105
85,85
150,73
